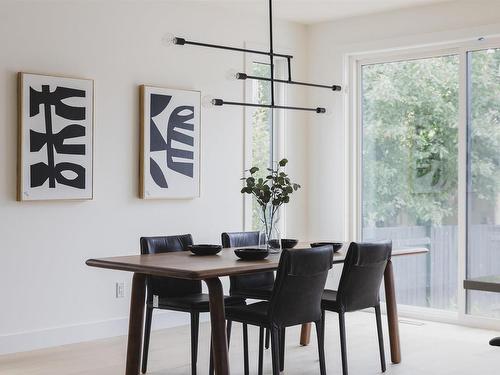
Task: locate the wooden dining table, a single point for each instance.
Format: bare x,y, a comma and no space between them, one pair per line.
210,269
489,283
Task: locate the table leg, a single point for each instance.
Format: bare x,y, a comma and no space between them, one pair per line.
392,313
305,334
218,321
135,325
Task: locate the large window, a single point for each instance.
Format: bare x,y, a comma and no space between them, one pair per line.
483,182
409,172
429,169
262,129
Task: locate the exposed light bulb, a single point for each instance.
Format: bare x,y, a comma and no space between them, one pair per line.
206,101
231,74
328,112
168,40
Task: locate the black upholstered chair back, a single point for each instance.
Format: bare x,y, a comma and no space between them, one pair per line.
362,275
237,239
299,285
241,284
166,286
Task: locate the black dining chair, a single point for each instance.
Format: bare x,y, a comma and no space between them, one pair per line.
175,294
358,289
255,286
296,299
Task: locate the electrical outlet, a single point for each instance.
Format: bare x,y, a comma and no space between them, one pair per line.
120,289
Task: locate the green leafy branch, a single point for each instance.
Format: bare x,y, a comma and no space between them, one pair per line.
274,190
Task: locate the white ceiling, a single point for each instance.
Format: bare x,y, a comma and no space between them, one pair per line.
313,11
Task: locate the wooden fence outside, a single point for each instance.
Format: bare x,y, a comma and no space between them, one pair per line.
431,280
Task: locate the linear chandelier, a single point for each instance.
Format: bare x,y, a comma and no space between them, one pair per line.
243,76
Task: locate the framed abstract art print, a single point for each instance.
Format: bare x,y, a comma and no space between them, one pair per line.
170,143
55,139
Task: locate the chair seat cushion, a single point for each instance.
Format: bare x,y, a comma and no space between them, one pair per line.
263,292
194,302
255,313
329,300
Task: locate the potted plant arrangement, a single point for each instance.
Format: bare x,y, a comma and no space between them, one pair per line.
270,193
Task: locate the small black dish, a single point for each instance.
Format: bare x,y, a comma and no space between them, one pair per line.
274,244
336,245
251,253
205,249
288,243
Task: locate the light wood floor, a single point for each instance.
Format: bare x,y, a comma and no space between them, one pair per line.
428,348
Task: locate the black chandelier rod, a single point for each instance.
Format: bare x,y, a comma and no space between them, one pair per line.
182,41
271,54
244,76
221,102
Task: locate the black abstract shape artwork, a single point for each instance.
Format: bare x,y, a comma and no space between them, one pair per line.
157,174
179,123
65,173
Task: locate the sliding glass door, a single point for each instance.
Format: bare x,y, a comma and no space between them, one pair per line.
483,177
428,166
409,171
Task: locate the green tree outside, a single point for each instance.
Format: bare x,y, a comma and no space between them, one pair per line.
262,132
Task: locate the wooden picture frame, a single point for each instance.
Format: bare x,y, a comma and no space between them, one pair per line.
55,158
170,143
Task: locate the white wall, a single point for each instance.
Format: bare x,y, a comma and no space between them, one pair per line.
328,44
48,296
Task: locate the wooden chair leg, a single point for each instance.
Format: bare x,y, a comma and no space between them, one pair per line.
282,349
321,346
268,337
380,337
275,350
195,324
147,336
343,346
245,350
261,350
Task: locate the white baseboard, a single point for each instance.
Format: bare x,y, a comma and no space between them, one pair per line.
56,336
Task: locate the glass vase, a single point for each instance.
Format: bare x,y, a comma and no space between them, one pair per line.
269,235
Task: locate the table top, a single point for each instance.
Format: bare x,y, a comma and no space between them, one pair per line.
184,265
484,283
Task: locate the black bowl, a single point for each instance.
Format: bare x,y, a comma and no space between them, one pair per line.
251,254
274,244
336,245
285,243
205,249
288,243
